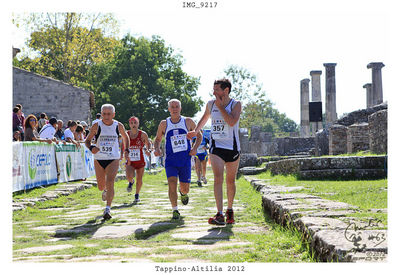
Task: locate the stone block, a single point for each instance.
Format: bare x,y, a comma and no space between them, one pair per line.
337,139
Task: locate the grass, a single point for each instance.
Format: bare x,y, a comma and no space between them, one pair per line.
365,194
272,243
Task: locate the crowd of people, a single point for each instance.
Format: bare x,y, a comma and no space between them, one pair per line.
109,143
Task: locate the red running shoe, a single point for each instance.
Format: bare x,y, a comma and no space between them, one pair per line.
229,217
217,219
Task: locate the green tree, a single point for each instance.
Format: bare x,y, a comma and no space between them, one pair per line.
257,108
141,78
65,45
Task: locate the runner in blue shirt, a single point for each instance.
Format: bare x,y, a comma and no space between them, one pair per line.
178,153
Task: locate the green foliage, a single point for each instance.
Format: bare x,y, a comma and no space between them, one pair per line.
140,80
65,45
257,109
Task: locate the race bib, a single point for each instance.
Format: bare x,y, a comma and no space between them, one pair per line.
134,154
106,146
201,150
220,129
179,143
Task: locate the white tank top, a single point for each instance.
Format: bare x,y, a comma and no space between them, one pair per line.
222,135
107,141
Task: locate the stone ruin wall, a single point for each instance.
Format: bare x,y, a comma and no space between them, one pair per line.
377,124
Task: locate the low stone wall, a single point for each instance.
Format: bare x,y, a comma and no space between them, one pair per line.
293,145
322,142
354,167
378,132
357,138
337,139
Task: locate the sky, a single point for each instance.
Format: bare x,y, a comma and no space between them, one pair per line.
280,45
278,41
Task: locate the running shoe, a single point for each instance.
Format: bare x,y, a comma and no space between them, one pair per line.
129,188
199,183
229,217
136,201
106,214
217,219
184,198
204,179
104,195
176,215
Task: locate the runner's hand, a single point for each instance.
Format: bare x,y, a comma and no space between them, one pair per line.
193,152
95,150
191,134
157,152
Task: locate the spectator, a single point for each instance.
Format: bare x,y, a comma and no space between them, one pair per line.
98,118
60,133
69,133
42,121
85,129
16,136
31,133
49,130
22,114
79,133
17,121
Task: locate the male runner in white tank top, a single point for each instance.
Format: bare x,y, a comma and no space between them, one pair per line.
106,152
225,145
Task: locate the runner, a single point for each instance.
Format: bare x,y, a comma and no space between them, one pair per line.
106,153
225,146
178,153
137,140
201,161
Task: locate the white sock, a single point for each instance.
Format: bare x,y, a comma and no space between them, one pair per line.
108,208
175,208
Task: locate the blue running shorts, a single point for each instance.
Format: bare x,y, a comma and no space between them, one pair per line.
184,173
202,157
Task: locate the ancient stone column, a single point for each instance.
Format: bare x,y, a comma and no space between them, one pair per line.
304,114
368,86
330,93
377,92
315,96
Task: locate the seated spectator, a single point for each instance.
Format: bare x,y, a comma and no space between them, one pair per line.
69,133
85,129
31,133
42,121
79,133
16,136
48,131
60,133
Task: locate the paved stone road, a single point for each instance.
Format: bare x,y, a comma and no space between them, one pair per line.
138,233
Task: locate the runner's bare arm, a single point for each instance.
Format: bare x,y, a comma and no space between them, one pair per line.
191,125
157,140
92,133
125,138
234,116
145,140
202,122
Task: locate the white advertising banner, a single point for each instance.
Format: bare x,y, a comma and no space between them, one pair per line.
36,162
17,166
71,162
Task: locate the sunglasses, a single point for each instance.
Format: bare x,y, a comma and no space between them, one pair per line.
32,119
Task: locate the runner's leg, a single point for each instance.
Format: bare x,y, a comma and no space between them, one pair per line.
172,192
231,170
100,176
139,179
217,165
198,168
111,172
130,173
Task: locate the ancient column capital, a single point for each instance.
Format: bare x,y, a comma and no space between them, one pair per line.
367,86
305,80
315,73
330,64
375,65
